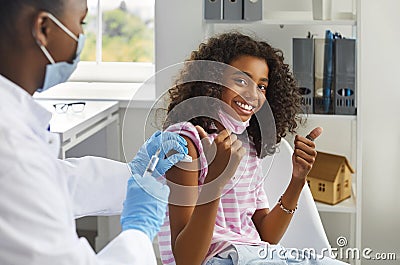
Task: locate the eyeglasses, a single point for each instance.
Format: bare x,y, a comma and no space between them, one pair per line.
75,107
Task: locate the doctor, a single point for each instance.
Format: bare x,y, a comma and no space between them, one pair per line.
40,196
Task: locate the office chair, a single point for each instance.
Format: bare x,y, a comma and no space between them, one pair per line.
305,229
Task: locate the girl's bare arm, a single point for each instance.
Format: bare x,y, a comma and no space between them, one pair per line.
272,225
192,224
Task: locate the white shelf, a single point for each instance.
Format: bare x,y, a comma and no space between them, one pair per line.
346,206
276,21
341,22
295,18
329,117
306,18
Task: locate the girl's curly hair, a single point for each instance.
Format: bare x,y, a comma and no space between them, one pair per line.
282,93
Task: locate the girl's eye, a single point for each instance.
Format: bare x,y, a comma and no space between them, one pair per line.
262,87
240,81
83,23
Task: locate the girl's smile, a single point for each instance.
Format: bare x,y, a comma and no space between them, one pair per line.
244,108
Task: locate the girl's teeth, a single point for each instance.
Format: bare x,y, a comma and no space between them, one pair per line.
244,106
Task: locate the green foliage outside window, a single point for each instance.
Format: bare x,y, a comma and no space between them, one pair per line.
126,38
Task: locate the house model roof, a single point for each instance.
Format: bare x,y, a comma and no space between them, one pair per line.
327,166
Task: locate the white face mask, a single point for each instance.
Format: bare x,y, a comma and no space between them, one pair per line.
57,73
234,125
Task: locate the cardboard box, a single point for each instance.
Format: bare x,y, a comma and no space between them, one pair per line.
330,178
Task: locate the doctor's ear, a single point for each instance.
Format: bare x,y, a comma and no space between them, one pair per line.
42,27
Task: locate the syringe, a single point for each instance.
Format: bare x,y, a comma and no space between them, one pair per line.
152,164
154,160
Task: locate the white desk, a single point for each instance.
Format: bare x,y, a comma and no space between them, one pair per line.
135,101
74,128
133,95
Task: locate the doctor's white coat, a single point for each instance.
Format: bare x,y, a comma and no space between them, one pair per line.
40,195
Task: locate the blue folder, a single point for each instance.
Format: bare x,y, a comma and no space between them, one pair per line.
328,71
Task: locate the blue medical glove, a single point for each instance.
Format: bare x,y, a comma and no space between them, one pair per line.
167,141
145,205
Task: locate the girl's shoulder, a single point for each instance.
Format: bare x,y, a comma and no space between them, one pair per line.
186,129
189,131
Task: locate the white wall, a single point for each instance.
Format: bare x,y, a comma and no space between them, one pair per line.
380,88
178,31
133,121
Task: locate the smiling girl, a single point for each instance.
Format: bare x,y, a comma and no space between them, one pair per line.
228,221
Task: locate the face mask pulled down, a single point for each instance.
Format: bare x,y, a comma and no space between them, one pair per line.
59,72
232,124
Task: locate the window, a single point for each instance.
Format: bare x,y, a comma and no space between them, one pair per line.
119,39
346,183
338,187
321,187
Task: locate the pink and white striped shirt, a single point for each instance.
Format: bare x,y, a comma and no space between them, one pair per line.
242,196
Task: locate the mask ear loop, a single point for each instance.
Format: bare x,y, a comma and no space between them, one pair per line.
47,54
61,25
41,46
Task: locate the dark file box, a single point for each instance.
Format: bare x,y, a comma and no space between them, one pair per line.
345,76
233,9
213,9
303,70
252,10
320,106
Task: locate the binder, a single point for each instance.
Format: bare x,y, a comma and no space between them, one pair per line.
233,9
252,10
323,100
213,9
328,72
319,45
303,70
345,76
319,48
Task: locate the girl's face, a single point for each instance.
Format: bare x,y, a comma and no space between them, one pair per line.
246,85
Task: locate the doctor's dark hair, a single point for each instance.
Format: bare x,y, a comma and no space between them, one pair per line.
11,11
282,92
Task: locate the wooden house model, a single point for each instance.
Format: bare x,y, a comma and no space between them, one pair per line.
330,178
